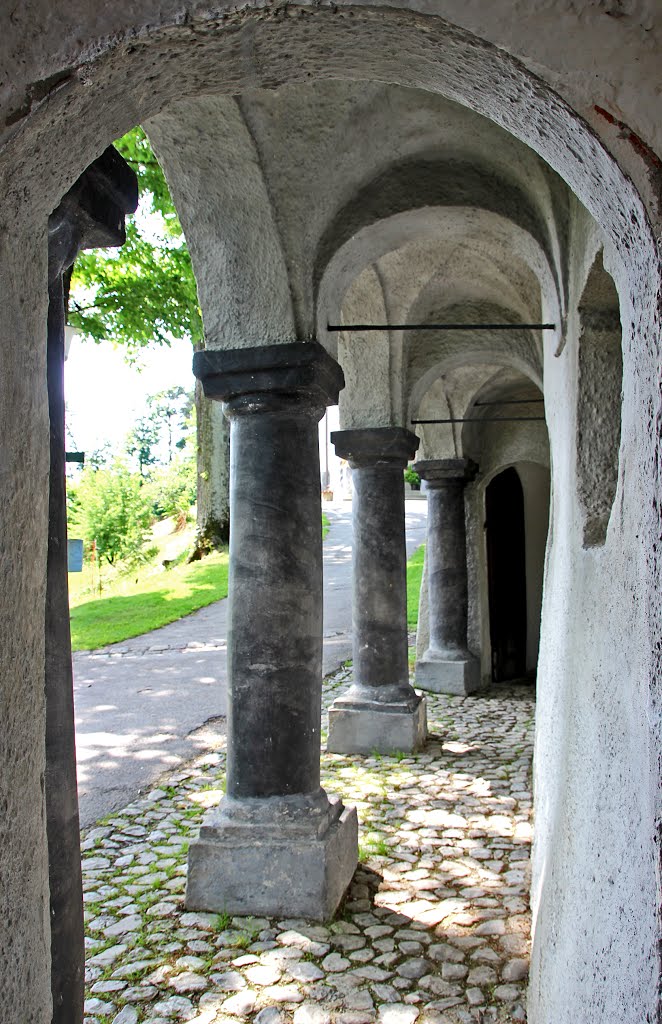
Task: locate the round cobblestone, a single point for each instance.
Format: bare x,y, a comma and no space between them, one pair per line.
435,929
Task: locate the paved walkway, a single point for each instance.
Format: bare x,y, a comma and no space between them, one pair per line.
148,704
435,926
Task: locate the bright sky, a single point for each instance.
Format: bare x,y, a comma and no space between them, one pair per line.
105,395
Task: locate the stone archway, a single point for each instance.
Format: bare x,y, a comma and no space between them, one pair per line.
85,109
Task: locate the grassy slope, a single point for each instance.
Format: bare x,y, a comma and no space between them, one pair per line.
131,607
414,574
138,606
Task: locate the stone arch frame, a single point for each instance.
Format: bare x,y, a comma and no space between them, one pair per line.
479,615
65,132
379,237
473,74
458,352
375,239
436,184
522,444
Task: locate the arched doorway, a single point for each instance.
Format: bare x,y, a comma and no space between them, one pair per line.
506,572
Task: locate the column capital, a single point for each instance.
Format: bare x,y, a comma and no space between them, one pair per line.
91,214
437,472
370,446
270,378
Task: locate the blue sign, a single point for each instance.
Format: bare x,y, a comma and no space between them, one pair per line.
75,555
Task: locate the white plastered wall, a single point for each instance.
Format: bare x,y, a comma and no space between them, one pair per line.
595,873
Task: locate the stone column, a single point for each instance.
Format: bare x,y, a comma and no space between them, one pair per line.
447,666
277,845
90,215
381,710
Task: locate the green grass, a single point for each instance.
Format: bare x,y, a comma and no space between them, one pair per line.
414,575
148,598
132,607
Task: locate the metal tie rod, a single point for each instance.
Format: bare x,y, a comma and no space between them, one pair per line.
440,327
483,419
512,401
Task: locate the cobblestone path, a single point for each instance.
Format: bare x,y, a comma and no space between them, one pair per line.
435,925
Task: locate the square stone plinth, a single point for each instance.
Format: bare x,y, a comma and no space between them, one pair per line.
273,874
374,729
456,676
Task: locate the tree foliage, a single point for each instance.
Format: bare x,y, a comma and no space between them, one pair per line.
172,410
111,508
173,487
144,292
141,441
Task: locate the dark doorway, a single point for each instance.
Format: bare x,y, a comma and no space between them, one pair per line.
506,574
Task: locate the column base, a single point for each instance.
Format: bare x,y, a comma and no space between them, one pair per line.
382,729
439,674
274,870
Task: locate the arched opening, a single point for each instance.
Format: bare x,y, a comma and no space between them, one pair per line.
506,575
516,524
477,74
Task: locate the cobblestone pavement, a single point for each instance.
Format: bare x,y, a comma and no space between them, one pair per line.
435,925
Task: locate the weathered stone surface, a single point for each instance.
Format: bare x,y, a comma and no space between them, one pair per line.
188,981
127,1015
397,1013
221,879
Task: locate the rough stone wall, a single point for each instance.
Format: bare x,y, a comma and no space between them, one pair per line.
24,896
213,466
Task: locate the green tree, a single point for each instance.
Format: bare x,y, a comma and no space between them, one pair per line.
173,488
110,507
144,292
171,410
141,441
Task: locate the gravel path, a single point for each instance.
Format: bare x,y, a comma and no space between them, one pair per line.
435,926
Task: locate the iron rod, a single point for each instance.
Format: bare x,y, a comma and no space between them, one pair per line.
512,401
484,419
440,327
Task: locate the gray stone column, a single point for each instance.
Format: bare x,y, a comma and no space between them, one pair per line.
381,710
277,845
447,666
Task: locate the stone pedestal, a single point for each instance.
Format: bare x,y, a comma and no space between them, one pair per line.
276,845
381,711
447,666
